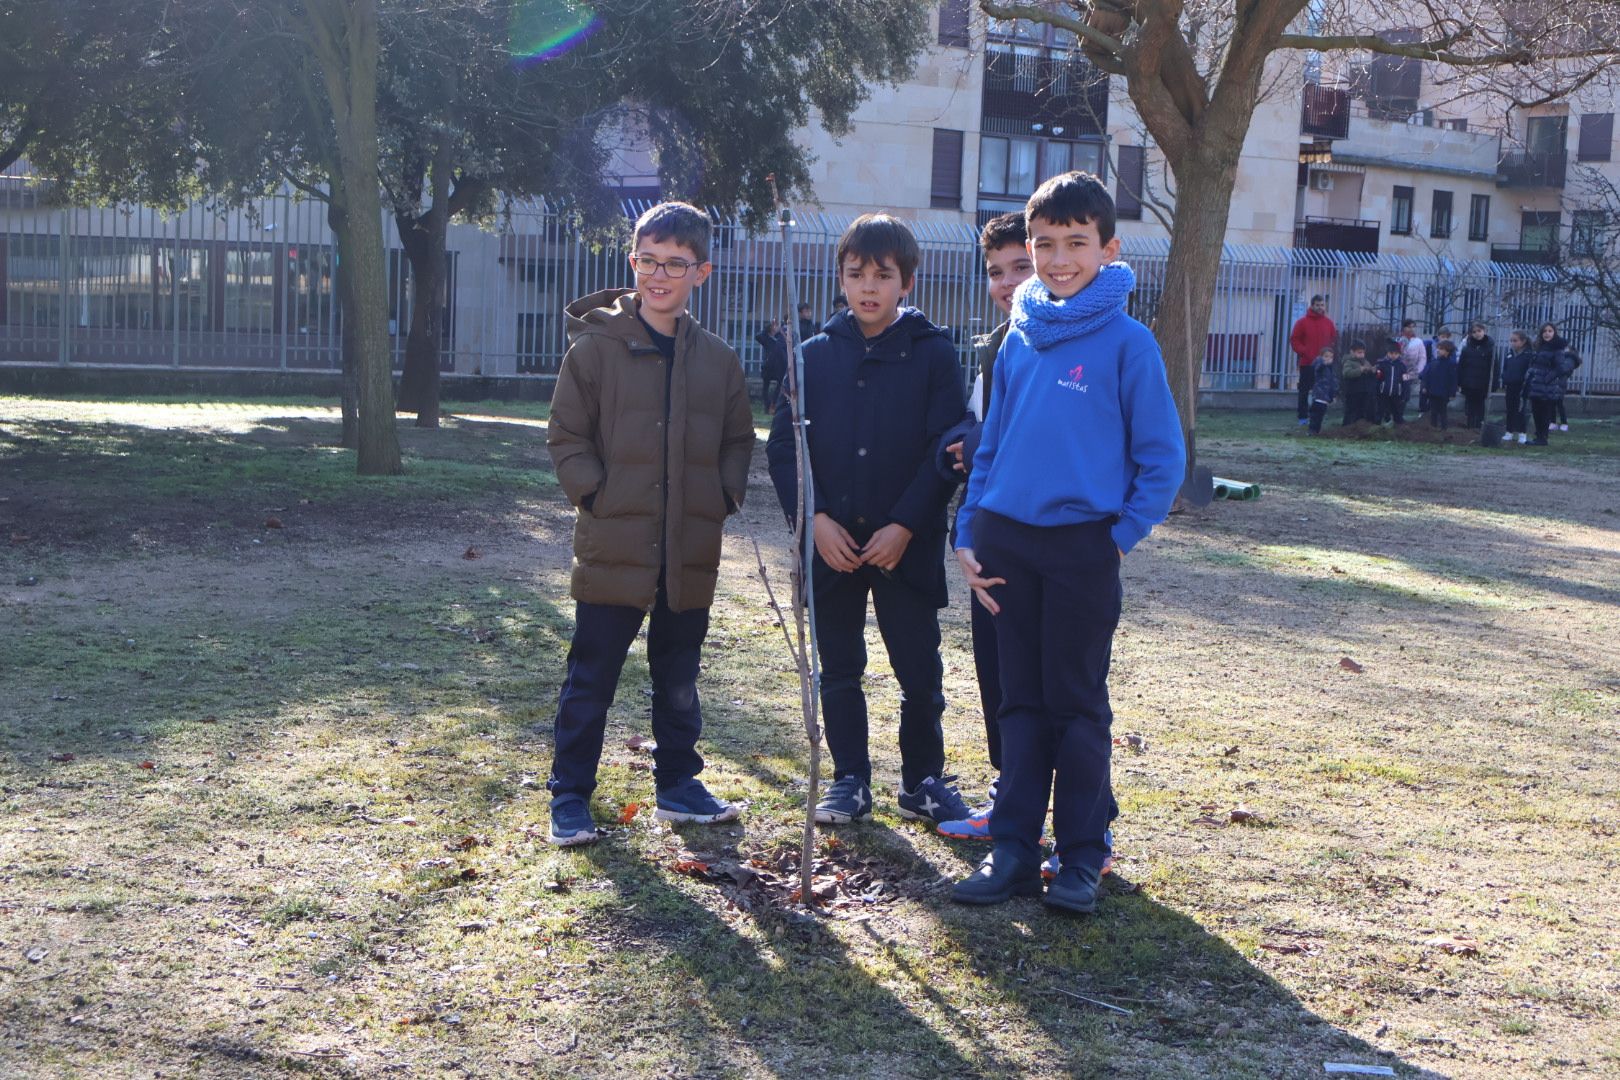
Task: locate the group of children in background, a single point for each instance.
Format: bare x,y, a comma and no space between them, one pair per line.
1072,451
1534,373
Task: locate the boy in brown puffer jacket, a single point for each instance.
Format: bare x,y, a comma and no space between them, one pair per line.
651,433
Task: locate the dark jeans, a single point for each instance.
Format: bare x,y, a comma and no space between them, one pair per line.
987,666
1474,409
603,634
1360,402
909,623
769,390
1514,392
1543,411
1560,412
1438,410
1307,380
1392,408
1055,632
1318,411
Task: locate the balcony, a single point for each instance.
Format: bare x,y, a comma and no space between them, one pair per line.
1534,255
1325,112
1532,169
1338,234
1058,94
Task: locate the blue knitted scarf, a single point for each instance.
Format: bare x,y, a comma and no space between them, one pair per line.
1046,321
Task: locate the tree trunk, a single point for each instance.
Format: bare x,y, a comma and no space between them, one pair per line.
1194,264
424,238
344,38
349,392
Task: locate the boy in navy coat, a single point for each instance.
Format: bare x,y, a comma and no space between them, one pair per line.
881,385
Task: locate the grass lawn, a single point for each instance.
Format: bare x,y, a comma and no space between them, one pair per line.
273,746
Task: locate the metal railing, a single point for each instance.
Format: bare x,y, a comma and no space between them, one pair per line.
1338,234
1324,111
211,288
1533,169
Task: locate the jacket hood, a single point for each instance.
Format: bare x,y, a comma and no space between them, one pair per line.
612,312
912,325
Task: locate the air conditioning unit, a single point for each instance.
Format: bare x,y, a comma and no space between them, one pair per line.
1321,181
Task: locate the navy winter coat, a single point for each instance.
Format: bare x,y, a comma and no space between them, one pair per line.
1440,377
1326,386
1476,364
1516,366
1391,372
876,411
1549,370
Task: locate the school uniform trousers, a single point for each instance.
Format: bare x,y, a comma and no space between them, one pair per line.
1055,631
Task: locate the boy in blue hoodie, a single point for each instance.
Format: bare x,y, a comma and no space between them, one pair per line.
881,385
1054,502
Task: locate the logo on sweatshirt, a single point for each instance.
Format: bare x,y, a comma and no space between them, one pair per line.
1073,382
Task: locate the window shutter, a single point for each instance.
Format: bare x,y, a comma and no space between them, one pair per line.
1128,184
946,192
1597,136
953,23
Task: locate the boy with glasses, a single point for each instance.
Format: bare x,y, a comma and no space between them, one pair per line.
651,432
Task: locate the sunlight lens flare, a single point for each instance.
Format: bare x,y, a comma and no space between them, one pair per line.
546,29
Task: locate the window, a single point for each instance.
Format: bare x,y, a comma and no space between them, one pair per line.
1400,218
946,192
1479,217
1546,135
1440,216
1597,137
1587,233
1128,183
1538,230
954,24
1394,82
1015,166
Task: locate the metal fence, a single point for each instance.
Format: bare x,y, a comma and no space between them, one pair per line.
252,288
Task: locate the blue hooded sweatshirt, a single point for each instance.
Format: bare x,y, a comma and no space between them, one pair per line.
1096,434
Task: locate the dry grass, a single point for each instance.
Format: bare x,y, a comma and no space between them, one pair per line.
333,707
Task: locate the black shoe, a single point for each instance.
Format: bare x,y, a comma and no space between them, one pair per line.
1074,889
1536,442
999,878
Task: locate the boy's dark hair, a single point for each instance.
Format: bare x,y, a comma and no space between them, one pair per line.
1444,331
840,301
1354,345
871,238
804,308
1072,198
1391,346
1445,346
681,222
1002,230
1408,322
1317,297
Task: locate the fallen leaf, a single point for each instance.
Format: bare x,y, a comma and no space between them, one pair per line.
472,553
641,742
63,757
1350,665
469,873
210,719
690,867
1133,741
272,523
472,927
1457,945
1287,948
1207,821
628,814
1242,816
405,821
556,885
35,955
466,843
147,765
1336,569
1230,751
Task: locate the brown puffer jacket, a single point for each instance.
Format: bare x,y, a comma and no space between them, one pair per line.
608,440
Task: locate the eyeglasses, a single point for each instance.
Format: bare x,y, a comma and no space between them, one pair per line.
674,269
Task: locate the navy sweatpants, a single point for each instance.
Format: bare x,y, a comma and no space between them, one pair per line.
909,623
987,666
603,634
1055,632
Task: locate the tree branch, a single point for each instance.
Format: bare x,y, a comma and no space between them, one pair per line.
1032,13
